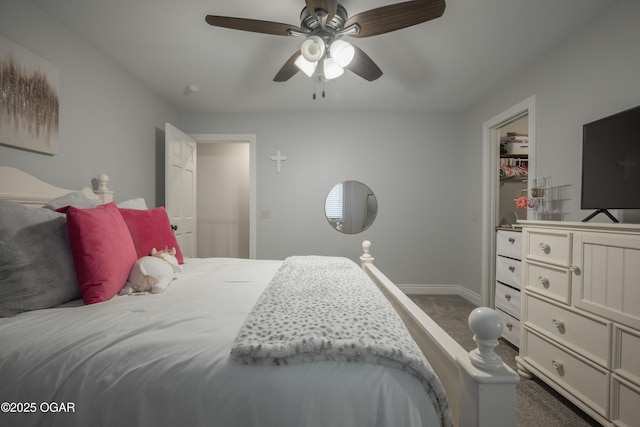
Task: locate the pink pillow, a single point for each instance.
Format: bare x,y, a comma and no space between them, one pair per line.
151,229
103,251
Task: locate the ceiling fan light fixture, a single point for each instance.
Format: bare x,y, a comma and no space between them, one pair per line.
331,69
305,66
342,52
313,48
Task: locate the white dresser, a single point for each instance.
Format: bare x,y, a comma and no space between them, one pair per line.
580,315
508,276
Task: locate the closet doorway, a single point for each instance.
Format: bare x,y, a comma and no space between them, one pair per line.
226,195
492,198
514,169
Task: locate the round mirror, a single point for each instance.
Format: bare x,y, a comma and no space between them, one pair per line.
350,207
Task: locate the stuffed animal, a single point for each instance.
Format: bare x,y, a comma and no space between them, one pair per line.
152,273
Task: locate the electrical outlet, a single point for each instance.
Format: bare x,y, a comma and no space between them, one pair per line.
264,213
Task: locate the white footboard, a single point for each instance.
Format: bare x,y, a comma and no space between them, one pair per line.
480,388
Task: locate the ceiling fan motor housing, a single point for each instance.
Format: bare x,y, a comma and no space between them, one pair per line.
310,24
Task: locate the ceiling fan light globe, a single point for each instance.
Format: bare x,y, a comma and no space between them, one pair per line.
342,52
313,48
305,66
331,69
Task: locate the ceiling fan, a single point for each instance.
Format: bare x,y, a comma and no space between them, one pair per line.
323,24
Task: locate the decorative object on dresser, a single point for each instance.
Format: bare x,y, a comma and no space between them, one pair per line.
581,315
507,295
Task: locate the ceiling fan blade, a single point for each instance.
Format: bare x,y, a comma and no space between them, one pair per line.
396,16
330,6
363,66
252,25
289,69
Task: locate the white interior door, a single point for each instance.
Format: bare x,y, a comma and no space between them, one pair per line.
180,187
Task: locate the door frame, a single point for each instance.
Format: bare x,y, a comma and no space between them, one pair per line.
491,186
203,138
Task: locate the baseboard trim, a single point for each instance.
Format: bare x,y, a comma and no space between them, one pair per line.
465,293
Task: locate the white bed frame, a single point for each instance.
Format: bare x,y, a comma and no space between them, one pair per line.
480,388
20,187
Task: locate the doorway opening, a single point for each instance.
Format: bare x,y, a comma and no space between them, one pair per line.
491,185
226,195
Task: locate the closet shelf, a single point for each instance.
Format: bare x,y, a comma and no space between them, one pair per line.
514,156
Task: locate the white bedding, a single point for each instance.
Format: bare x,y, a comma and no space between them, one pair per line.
163,360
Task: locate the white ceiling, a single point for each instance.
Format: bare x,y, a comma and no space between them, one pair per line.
443,65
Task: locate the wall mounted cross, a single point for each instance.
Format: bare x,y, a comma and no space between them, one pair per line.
278,158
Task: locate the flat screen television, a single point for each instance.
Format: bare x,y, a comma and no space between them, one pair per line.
611,163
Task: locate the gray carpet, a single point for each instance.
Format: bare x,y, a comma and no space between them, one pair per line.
536,403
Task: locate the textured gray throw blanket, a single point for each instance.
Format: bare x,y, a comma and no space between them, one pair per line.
327,309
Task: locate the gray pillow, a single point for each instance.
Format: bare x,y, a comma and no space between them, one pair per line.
76,199
36,264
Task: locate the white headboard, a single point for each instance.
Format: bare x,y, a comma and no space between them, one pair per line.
20,187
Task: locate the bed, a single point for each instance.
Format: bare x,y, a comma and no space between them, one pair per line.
178,357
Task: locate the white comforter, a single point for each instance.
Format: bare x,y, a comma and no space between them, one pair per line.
163,360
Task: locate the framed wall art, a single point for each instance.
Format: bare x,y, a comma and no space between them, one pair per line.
29,100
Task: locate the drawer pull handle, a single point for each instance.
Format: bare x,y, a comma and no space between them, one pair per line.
508,297
575,269
512,268
544,247
557,364
544,282
509,326
512,240
558,324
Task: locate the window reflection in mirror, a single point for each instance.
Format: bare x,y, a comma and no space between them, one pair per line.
351,207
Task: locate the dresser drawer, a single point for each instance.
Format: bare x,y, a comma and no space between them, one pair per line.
511,330
584,380
548,246
552,282
509,243
585,335
626,353
508,299
625,402
509,271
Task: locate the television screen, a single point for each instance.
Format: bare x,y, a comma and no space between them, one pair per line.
611,162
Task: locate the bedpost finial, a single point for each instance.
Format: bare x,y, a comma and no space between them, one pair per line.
487,327
104,194
366,257
103,182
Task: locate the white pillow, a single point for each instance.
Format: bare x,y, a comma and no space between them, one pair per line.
138,203
76,199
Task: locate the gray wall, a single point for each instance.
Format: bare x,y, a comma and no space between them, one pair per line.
593,74
409,160
108,119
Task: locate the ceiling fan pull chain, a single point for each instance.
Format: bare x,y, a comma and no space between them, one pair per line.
314,89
